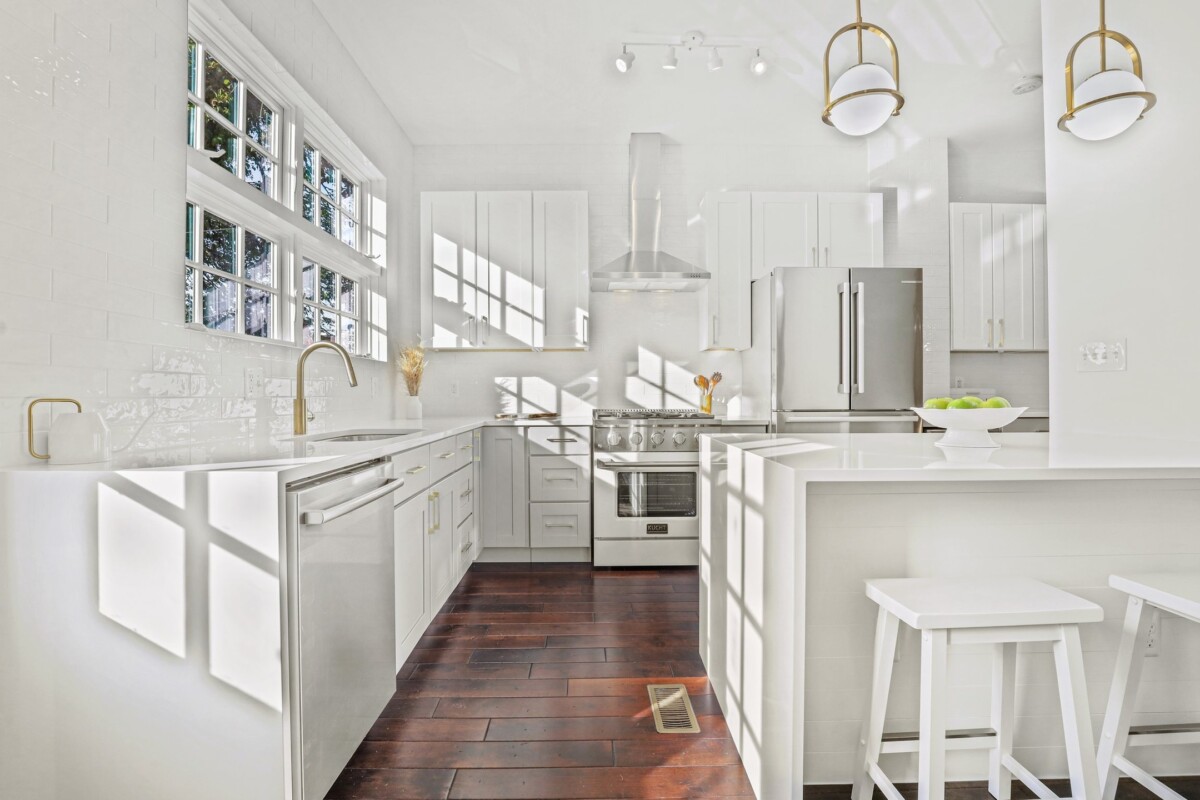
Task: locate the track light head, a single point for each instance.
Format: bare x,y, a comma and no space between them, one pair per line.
715,62
758,64
670,60
625,60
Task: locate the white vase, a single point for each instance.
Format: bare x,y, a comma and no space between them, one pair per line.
409,407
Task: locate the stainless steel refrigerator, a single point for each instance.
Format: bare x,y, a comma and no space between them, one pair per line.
844,348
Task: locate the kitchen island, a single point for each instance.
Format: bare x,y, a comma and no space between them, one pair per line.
793,524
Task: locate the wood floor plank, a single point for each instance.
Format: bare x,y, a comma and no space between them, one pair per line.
392,784
414,707
471,670
400,729
642,653
646,616
677,751
539,655
482,688
439,656
556,729
594,782
486,617
478,642
594,687
627,669
527,707
675,640
666,629
482,755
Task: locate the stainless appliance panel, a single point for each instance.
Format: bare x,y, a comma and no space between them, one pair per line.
812,339
849,422
887,338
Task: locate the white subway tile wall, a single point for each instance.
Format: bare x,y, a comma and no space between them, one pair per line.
1022,378
92,131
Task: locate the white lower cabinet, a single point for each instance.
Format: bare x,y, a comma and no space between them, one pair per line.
505,493
412,589
560,524
443,565
559,478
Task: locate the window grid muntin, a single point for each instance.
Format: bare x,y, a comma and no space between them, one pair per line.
238,129
317,306
339,210
195,248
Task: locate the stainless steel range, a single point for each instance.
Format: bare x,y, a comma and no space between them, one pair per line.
645,485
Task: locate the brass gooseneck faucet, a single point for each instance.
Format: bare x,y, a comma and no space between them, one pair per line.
300,405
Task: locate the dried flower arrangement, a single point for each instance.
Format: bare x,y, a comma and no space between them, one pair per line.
411,363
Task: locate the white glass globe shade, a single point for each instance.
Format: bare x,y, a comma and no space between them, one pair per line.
1106,120
862,115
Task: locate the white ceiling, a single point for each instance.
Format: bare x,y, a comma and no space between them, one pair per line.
541,71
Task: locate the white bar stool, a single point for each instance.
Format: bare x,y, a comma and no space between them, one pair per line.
997,611
1175,593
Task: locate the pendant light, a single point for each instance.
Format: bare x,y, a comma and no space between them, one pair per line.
1109,102
866,95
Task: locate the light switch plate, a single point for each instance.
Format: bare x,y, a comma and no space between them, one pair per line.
1101,356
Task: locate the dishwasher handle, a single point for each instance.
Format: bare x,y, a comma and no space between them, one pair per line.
323,515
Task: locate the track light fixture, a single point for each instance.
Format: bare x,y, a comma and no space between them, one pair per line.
625,60
1109,102
670,60
758,64
715,62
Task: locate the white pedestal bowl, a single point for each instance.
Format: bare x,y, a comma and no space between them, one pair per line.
968,427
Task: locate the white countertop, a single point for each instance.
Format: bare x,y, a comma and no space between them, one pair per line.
914,457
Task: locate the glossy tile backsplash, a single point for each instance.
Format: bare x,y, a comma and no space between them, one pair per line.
91,278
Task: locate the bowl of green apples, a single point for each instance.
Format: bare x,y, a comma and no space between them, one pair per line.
968,420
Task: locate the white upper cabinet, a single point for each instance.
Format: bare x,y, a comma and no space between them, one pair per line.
750,234
450,293
725,302
998,276
560,270
785,231
504,270
851,229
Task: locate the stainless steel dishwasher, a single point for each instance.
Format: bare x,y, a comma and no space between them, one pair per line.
341,620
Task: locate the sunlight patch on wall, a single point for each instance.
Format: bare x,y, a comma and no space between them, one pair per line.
140,570
166,485
236,509
243,627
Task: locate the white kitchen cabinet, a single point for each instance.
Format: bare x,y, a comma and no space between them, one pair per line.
725,301
560,270
442,572
452,288
413,594
504,270
850,229
555,479
998,277
505,492
466,543
561,524
786,231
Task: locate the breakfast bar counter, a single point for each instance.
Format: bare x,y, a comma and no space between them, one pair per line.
793,524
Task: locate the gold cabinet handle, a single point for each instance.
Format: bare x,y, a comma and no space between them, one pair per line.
29,420
1002,333
415,470
991,332
446,455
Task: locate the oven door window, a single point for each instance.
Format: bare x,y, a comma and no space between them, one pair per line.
656,494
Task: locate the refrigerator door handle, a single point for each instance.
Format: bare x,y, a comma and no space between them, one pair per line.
844,341
860,338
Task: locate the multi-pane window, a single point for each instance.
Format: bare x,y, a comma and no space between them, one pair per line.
230,122
331,310
232,276
330,198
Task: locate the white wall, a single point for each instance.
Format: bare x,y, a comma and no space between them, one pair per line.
645,346
91,274
1122,257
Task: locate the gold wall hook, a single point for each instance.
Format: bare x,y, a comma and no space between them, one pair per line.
29,420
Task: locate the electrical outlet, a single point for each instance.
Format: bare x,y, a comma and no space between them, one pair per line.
1154,634
1101,356
256,382
454,388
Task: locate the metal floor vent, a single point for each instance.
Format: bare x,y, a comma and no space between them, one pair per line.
672,708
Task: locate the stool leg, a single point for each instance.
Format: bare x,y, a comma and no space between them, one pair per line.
1004,685
871,741
1077,720
931,752
1122,694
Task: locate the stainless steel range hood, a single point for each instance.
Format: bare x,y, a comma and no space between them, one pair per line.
646,268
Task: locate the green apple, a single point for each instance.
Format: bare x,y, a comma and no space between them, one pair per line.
937,402
970,398
996,402
963,404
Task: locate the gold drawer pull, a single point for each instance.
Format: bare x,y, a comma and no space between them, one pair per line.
415,470
447,455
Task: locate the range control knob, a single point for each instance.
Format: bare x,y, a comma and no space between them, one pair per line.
613,439
635,438
656,439
679,439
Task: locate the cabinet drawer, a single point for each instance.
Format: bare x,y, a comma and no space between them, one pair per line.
464,494
560,524
544,441
413,467
443,458
559,479
464,545
464,444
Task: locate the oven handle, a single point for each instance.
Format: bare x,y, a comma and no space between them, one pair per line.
625,466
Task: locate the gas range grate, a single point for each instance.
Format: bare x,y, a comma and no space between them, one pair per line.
649,413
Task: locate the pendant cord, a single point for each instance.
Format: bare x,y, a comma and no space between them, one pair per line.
1103,40
858,15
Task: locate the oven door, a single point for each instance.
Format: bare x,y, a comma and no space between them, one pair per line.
646,496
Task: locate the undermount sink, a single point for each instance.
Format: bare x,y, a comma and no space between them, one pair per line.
368,436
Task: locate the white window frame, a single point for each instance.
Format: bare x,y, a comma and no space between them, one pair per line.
358,315
320,152
299,118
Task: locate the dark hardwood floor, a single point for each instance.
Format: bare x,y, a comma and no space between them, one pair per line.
530,683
